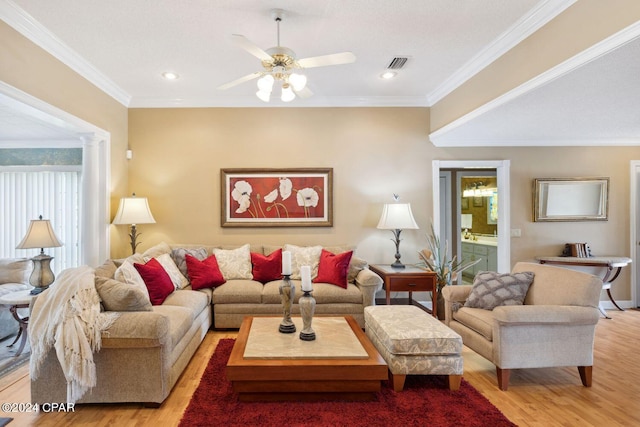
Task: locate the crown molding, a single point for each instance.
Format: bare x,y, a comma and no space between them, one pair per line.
523,28
253,102
607,45
588,142
26,25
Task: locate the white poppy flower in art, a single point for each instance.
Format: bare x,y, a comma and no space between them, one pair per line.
241,193
285,188
244,202
269,198
308,197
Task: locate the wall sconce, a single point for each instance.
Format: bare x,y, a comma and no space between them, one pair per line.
134,210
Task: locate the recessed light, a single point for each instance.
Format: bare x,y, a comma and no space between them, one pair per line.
388,75
170,75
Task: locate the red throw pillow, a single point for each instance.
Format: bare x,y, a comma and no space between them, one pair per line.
267,268
333,268
156,279
204,274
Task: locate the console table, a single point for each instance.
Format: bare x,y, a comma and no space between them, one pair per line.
613,264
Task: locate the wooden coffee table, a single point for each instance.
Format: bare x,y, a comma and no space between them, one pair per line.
340,364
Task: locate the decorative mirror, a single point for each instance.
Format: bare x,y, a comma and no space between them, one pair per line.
570,199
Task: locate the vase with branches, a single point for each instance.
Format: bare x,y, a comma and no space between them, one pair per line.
436,258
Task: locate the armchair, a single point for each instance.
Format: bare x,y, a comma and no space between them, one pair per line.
554,327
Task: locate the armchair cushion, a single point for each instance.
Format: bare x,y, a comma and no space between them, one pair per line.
491,289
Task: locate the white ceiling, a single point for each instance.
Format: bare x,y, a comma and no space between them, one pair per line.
123,46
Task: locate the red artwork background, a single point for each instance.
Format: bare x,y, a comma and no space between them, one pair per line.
262,186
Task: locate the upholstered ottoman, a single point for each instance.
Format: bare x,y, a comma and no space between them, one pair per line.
414,343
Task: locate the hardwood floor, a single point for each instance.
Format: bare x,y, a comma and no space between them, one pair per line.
536,397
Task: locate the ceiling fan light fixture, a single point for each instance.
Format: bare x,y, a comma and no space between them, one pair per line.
263,95
265,83
298,81
287,93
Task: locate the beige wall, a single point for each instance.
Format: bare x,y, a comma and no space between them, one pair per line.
178,154
27,67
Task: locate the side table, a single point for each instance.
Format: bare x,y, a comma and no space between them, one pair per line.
409,279
16,300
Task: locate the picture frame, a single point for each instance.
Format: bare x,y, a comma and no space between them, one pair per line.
269,197
464,204
478,202
570,199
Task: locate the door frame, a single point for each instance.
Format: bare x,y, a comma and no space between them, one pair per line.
504,221
634,219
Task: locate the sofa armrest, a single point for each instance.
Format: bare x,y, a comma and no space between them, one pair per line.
454,294
369,283
514,315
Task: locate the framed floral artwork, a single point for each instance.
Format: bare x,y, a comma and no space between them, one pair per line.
277,197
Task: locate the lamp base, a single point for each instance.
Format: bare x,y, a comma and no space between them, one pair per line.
397,264
41,276
36,291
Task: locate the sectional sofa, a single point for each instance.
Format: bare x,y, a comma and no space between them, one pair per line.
144,352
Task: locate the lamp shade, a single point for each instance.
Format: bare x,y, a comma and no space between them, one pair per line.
397,216
134,210
40,235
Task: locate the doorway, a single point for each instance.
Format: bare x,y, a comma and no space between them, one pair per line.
634,201
96,155
443,216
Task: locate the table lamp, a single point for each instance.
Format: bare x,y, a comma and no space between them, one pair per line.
397,217
134,210
40,235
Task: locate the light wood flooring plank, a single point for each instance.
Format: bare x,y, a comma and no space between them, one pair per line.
536,397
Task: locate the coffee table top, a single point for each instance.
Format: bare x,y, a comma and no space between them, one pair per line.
335,340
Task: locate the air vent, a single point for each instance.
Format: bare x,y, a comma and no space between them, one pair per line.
397,62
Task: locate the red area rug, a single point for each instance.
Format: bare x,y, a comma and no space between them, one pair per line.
425,401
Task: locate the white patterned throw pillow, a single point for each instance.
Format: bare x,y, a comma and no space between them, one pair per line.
304,255
128,274
235,263
491,289
169,265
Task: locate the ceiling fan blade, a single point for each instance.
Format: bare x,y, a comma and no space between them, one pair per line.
304,93
323,61
240,80
244,43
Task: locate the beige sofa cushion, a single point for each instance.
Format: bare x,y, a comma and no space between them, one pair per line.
238,292
194,300
324,293
180,320
477,319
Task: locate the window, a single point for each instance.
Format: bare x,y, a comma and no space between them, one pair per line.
53,191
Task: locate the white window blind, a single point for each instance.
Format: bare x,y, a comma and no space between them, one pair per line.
27,192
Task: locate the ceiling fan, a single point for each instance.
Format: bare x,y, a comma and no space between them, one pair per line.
281,65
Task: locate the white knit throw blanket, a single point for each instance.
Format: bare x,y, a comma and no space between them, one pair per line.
67,316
